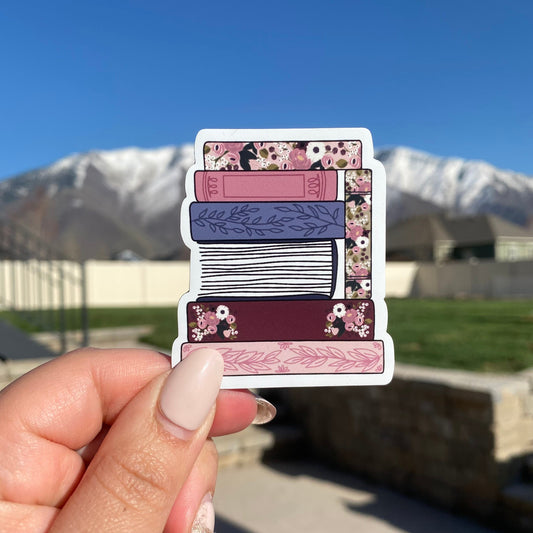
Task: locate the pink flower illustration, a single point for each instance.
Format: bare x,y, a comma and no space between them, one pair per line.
359,270
227,333
255,164
350,316
230,319
328,161
359,320
354,161
234,147
202,324
286,165
233,158
353,231
211,318
218,149
365,206
211,330
349,326
299,159
331,317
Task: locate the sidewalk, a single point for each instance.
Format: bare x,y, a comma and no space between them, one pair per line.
306,497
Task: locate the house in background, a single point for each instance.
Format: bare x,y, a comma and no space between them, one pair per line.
440,237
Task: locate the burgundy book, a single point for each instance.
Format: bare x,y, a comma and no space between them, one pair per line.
271,320
242,186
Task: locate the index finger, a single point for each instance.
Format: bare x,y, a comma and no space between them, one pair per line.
62,405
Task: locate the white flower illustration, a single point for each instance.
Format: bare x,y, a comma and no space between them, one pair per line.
362,242
339,310
222,312
315,151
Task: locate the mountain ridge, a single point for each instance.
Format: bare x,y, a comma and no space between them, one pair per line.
98,203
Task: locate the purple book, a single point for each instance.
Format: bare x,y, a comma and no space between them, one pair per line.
227,221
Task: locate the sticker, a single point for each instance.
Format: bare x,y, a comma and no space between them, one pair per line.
287,236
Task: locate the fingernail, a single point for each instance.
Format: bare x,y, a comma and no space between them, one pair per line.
265,411
204,522
191,390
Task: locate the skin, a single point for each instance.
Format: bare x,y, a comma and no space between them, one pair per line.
85,447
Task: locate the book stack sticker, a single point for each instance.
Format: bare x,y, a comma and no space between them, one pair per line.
287,275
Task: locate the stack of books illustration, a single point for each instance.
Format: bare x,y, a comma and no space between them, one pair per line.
284,278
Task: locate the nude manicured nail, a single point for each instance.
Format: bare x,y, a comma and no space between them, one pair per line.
192,388
265,411
204,521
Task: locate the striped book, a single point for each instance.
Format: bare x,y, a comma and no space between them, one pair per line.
267,270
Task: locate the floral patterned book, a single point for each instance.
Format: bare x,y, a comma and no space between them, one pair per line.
287,236
309,320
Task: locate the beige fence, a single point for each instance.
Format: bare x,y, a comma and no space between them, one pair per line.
161,283
481,279
109,284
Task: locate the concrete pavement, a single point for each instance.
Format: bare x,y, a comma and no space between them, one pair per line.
294,497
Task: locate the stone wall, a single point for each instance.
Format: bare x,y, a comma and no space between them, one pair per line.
455,438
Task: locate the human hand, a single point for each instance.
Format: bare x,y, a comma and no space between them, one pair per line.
112,441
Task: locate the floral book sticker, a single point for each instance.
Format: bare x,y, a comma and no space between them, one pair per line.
286,230
348,320
213,322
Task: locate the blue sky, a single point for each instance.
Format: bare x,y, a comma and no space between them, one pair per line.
450,78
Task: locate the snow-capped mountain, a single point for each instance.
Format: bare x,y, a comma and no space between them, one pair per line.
453,185
99,203
96,204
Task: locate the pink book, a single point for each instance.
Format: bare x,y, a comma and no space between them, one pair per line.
243,186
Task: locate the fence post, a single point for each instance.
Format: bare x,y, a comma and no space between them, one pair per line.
84,310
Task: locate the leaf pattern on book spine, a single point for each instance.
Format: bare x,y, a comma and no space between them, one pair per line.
361,357
307,219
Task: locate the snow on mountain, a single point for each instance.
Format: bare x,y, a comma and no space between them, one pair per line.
98,203
456,185
119,199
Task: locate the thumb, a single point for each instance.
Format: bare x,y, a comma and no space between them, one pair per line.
135,477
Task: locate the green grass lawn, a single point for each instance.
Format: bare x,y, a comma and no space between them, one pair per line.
482,335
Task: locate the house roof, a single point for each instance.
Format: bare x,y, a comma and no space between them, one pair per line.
421,231
471,230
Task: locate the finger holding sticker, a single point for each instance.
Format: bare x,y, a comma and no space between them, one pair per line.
110,440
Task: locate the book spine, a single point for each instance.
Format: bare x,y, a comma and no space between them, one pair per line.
298,186
358,240
267,270
258,221
298,357
270,320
